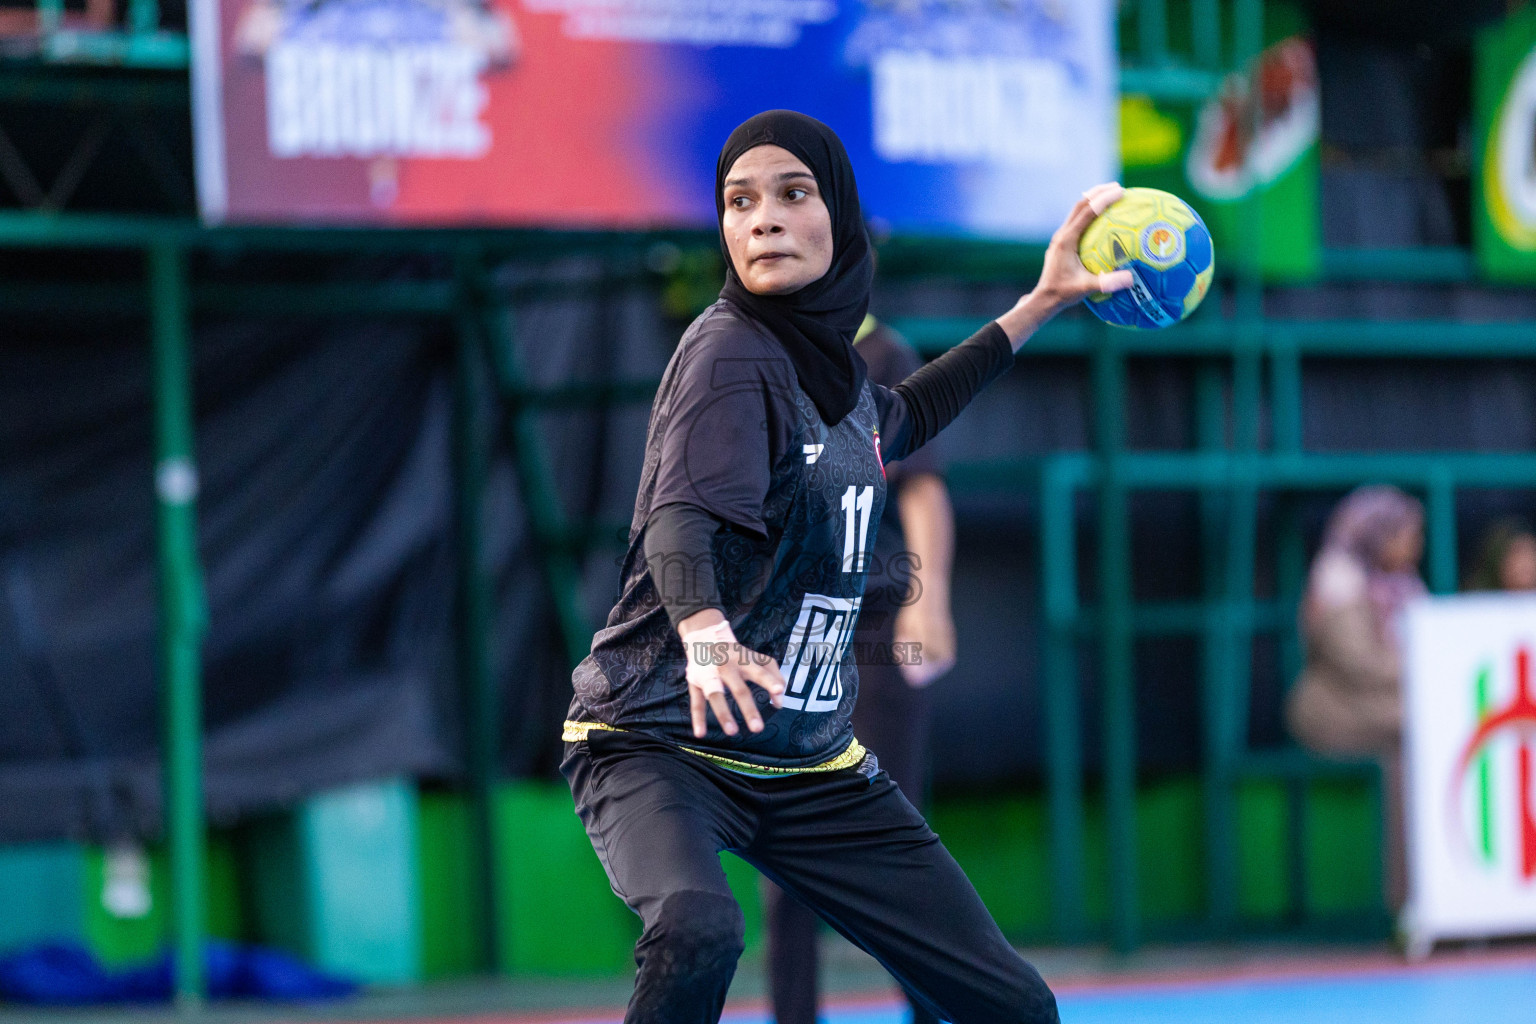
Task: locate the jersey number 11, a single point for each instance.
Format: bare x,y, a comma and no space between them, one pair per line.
857,502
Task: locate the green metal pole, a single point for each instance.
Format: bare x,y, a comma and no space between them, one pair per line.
1290,582
1063,714
1152,32
1286,408
50,16
476,682
182,611
1442,532
1205,33
1227,701
537,485
1211,431
143,16
1118,684
1248,39
1227,679
1226,696
1285,393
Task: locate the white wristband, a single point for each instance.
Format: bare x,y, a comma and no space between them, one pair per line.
706,650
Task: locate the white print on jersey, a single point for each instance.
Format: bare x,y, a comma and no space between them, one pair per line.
812,453
857,502
813,660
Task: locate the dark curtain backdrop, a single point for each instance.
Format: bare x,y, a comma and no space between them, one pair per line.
324,529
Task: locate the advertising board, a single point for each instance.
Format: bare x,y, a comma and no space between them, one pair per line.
962,117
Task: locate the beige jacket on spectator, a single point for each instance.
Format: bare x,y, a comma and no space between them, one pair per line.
1348,699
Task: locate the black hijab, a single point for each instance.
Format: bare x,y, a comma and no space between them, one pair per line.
816,324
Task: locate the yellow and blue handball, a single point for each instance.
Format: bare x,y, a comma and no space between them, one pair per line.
1166,247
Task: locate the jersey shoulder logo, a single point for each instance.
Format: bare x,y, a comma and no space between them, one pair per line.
879,456
812,453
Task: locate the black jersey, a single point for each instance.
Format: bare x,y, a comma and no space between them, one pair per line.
732,432
890,361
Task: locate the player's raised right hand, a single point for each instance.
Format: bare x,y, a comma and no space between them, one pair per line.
719,665
1064,279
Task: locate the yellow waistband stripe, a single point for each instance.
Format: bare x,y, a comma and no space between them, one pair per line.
852,757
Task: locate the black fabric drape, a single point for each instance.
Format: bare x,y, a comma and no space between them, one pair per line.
326,538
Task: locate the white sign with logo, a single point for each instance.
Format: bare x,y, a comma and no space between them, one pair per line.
1470,759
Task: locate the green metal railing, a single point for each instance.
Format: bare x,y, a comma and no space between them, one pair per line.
1228,472
1226,620
183,612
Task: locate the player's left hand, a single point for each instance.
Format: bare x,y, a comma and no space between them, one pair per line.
719,666
1064,280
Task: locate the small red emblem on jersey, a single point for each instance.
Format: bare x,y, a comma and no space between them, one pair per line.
878,457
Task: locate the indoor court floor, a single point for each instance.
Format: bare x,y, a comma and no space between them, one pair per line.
1191,984
1501,991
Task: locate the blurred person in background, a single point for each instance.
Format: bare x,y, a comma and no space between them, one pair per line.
905,639
1348,700
1506,559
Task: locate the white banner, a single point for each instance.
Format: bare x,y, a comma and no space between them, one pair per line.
1469,748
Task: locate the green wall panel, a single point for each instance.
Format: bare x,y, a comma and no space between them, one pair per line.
1171,865
336,881
273,876
451,907
561,918
1261,867
361,842
558,914
126,939
747,886
42,893
1343,850
1002,843
55,891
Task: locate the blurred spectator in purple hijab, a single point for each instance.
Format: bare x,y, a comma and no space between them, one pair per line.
1349,697
1348,700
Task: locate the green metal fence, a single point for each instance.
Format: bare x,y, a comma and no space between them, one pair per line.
1229,470
1229,473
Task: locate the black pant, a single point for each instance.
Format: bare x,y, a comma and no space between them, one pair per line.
890,719
848,845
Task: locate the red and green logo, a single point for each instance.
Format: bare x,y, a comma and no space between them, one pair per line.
1496,763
